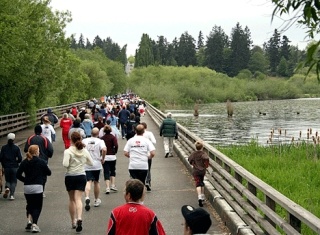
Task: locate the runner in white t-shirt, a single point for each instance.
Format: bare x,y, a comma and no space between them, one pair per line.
97,150
139,149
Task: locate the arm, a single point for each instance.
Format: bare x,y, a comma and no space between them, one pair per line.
19,155
152,154
66,159
49,150
111,225
19,173
103,154
89,158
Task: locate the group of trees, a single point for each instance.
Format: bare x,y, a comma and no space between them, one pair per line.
221,53
111,49
40,67
37,66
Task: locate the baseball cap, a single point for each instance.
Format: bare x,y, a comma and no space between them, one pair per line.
198,219
11,136
169,114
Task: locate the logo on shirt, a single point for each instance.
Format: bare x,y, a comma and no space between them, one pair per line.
132,209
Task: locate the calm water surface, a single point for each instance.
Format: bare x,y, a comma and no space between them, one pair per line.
254,120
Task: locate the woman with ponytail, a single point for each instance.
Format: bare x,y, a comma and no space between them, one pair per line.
74,160
32,172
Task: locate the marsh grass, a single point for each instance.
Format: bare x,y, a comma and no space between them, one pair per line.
292,169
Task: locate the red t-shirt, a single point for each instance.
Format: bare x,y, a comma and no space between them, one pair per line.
134,219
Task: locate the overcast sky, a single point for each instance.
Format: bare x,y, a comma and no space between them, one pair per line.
124,21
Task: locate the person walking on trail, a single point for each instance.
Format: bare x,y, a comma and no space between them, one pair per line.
131,126
139,149
199,161
123,116
150,136
10,157
45,146
97,150
65,124
110,161
196,220
51,116
48,130
133,217
32,172
169,130
74,160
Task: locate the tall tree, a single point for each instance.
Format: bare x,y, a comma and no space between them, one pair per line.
272,48
200,43
216,42
81,44
144,55
240,49
73,42
186,51
97,42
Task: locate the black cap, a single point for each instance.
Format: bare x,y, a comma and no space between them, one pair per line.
197,219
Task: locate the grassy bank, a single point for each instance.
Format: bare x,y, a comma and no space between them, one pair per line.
293,170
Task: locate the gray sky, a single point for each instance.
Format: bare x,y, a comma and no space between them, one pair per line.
124,21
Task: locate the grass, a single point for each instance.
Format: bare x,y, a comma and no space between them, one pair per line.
291,169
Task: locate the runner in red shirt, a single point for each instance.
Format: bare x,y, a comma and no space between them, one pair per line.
133,217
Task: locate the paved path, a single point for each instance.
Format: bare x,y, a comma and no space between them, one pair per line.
172,187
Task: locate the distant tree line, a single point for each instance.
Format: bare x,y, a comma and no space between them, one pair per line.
111,49
229,55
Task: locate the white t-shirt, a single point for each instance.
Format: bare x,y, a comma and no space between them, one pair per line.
94,145
47,130
149,135
138,148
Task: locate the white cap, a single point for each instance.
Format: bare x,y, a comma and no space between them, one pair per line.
11,136
169,115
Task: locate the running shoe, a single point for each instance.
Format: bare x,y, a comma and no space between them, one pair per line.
28,227
79,226
6,193
114,188
107,190
97,202
35,229
11,198
87,206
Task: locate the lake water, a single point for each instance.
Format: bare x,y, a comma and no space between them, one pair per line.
288,120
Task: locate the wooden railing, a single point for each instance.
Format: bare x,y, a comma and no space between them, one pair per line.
246,204
20,121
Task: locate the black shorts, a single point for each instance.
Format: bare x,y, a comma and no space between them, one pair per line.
93,175
75,182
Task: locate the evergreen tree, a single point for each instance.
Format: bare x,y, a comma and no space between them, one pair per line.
240,49
186,51
73,42
88,44
272,49
81,42
217,41
285,48
144,55
200,41
97,42
162,46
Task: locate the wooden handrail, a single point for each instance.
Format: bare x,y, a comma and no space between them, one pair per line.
232,190
20,121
